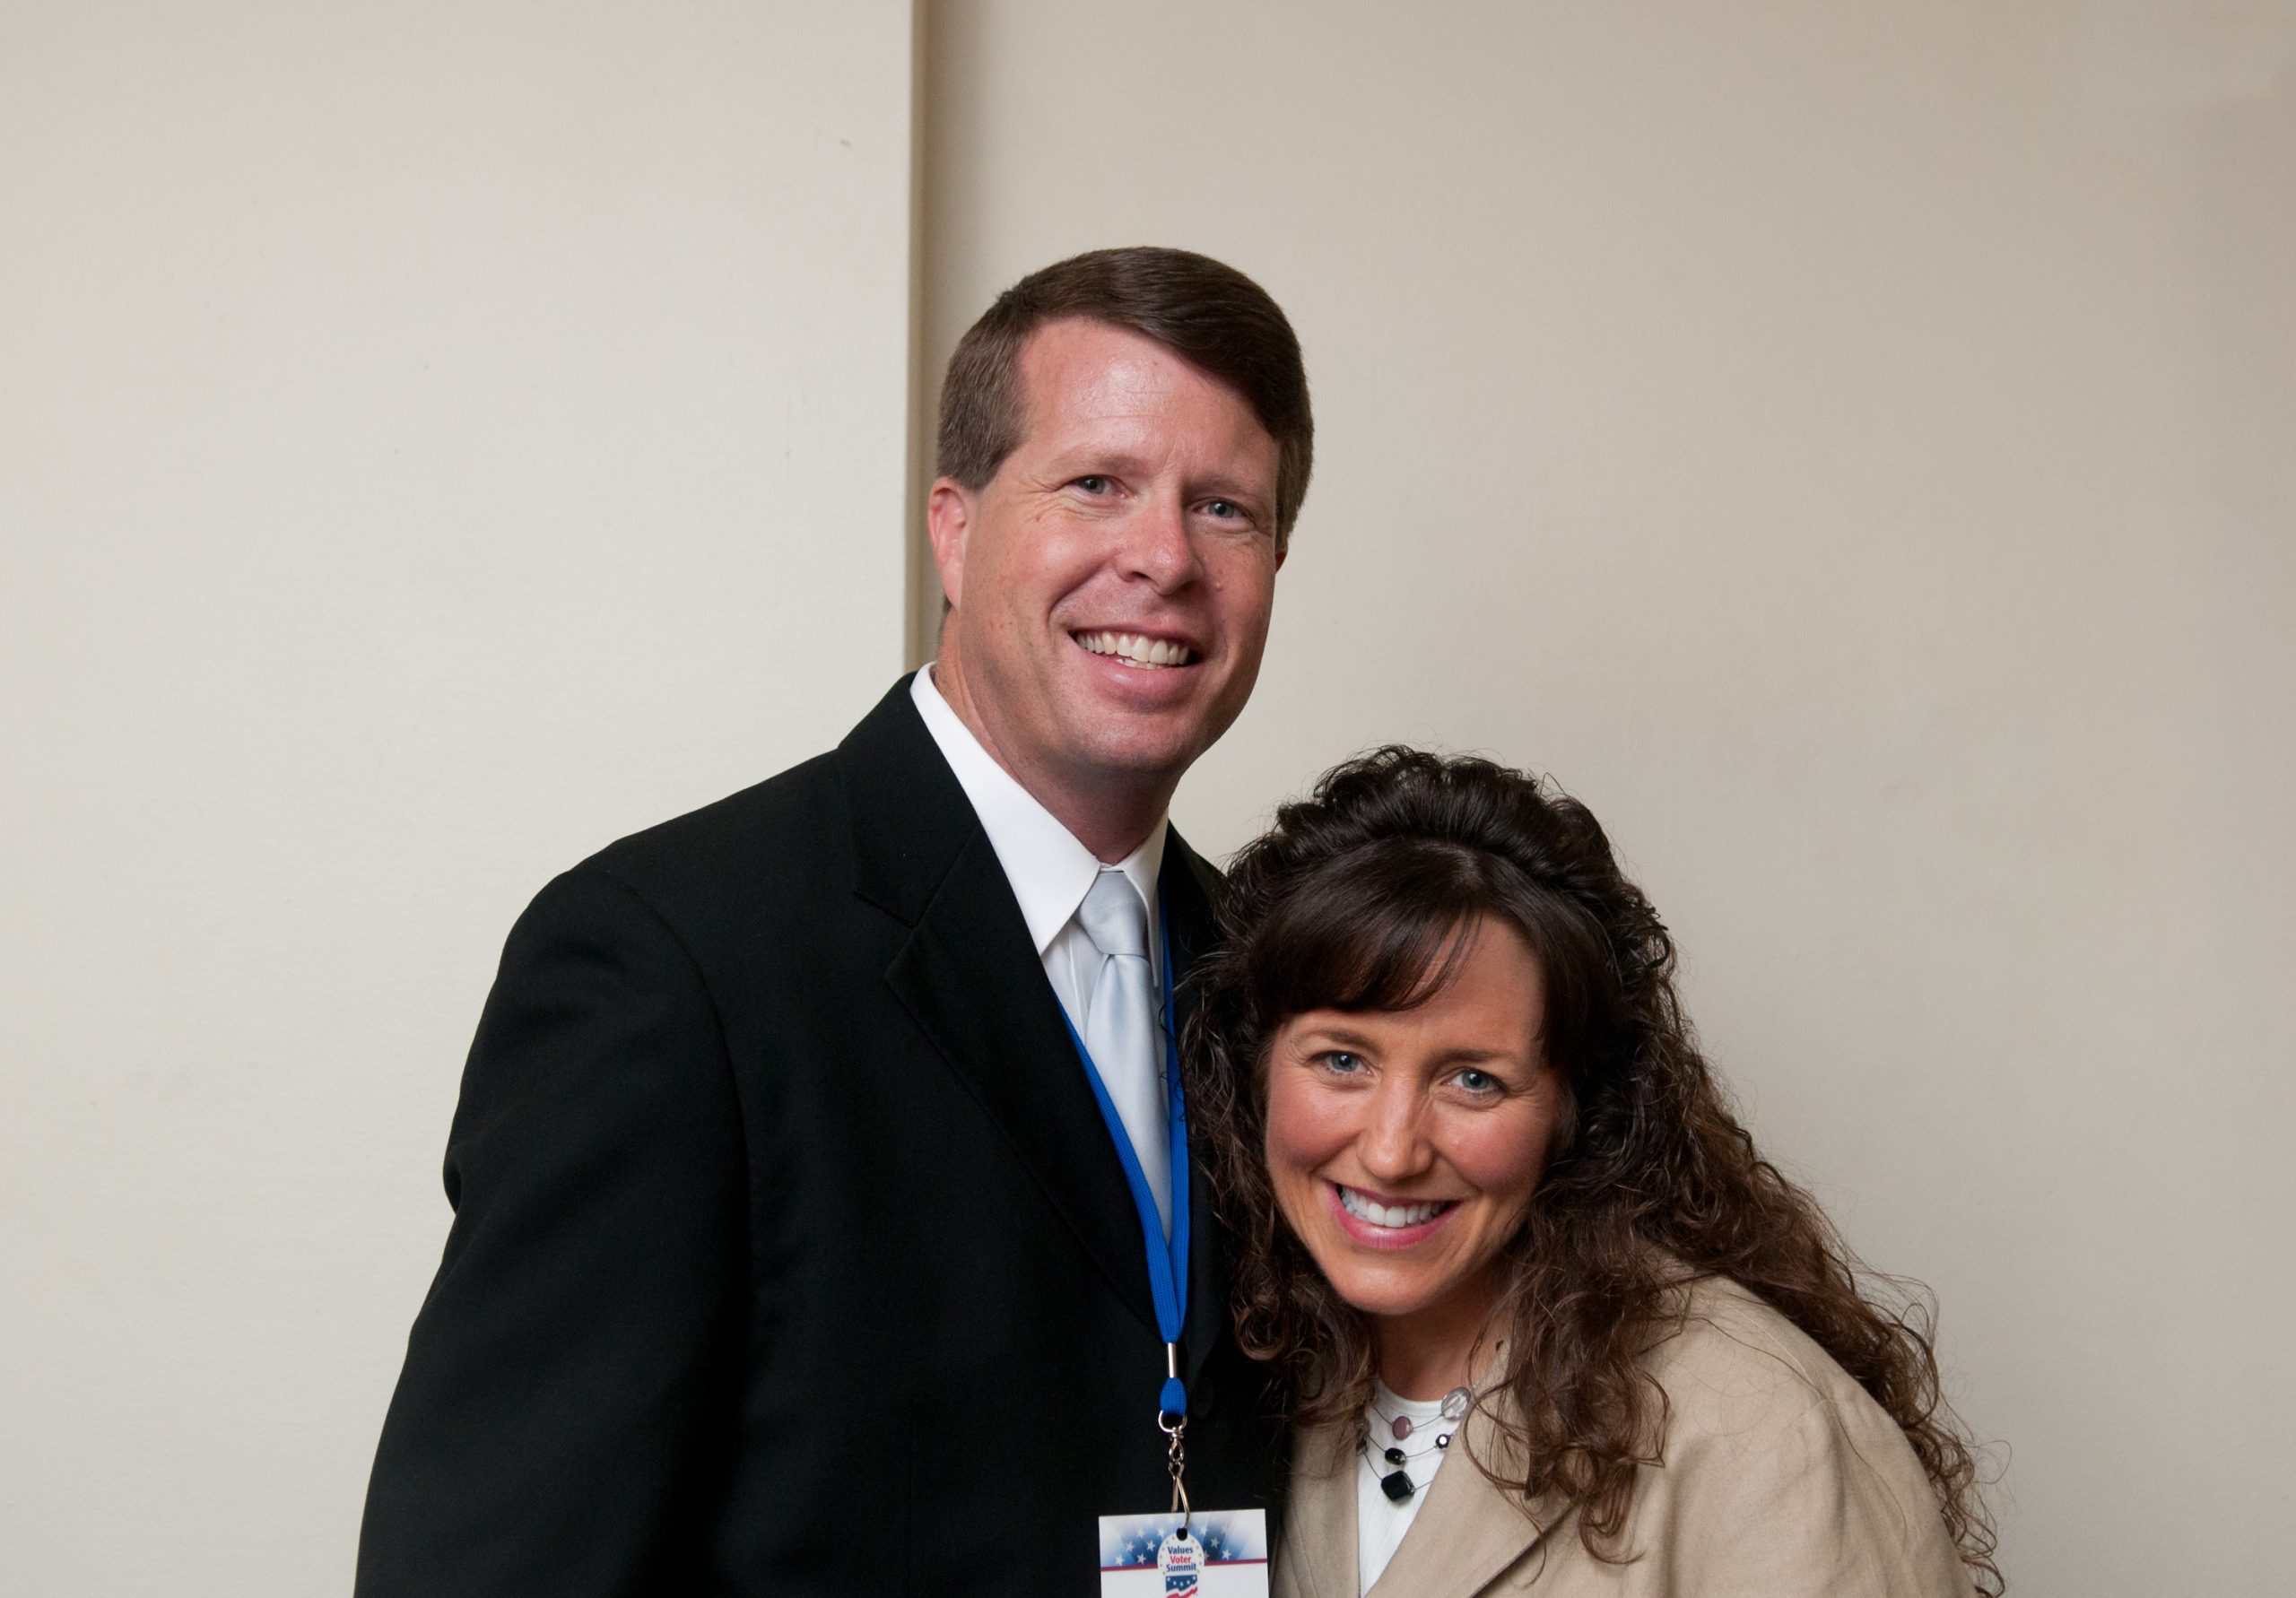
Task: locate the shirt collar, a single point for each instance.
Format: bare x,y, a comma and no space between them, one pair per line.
1049,870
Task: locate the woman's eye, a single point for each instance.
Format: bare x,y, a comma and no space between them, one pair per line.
1340,1063
1481,1083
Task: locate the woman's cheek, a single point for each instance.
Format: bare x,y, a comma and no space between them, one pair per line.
1306,1124
1503,1153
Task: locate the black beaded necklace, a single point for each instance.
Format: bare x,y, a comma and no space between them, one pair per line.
1396,1482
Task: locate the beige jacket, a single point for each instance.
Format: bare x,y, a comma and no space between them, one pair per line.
1782,1478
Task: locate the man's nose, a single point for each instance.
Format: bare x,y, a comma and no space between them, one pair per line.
1393,1145
1157,544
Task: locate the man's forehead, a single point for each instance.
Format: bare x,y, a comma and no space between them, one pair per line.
1089,373
1081,353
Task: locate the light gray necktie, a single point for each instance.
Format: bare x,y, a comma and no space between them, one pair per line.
1120,1027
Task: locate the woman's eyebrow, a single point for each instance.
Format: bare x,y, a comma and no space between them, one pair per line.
1475,1057
1337,1032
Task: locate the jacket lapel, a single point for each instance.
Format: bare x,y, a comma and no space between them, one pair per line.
1468,1530
968,975
1187,885
1319,1541
1465,1535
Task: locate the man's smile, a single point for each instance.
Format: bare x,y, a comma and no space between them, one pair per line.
1137,649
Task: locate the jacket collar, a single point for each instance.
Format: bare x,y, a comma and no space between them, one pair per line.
969,975
1465,1535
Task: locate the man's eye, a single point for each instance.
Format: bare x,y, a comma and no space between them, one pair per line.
1224,507
1094,484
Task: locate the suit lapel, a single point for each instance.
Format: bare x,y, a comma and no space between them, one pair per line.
1186,886
1465,1535
970,977
1319,1534
1468,1530
995,1019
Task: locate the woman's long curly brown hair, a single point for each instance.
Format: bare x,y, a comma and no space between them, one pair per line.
1351,902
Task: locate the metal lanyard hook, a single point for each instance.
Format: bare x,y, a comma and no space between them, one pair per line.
1175,1426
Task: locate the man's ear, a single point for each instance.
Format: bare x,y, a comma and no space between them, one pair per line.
948,516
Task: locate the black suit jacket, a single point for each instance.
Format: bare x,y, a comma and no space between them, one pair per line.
790,1252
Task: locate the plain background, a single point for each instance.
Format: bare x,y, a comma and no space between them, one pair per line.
434,439
1845,445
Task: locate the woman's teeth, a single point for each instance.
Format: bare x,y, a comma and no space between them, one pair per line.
1391,1215
1133,649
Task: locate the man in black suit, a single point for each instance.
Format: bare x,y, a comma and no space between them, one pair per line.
792,1248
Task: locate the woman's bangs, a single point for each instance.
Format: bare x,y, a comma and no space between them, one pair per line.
1362,936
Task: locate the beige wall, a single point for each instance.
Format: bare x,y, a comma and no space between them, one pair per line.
1849,447
434,439
1845,445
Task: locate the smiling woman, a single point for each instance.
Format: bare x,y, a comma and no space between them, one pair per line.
1486,1191
1402,1146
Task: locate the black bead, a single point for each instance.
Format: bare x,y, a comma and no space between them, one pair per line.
1397,1486
1394,1456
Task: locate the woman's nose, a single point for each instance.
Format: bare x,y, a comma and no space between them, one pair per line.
1393,1143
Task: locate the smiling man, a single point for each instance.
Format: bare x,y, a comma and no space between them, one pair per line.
816,1152
1110,581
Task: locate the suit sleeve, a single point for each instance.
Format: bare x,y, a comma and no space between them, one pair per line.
571,1375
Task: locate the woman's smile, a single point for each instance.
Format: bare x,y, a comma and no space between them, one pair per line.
1388,1223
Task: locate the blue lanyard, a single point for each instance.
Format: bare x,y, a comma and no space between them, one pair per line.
1167,1258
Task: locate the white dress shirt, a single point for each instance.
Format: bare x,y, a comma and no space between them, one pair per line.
1049,870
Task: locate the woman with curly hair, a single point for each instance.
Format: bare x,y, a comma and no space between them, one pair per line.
1489,1201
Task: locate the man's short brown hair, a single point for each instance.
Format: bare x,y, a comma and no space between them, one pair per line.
1207,313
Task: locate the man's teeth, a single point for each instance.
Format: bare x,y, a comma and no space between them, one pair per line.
1133,649
1379,1214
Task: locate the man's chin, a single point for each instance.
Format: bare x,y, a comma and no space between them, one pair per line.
1117,689
1148,752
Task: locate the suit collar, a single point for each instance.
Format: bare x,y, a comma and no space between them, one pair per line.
1465,1535
908,818
969,975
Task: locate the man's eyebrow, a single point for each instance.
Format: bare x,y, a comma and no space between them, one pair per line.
1091,458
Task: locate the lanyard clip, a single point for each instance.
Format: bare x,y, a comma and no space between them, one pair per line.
1176,1462
1171,1419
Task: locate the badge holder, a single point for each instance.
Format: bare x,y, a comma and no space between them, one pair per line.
1218,1554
